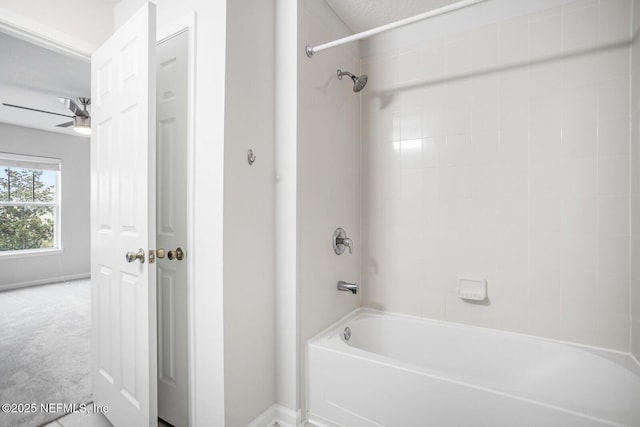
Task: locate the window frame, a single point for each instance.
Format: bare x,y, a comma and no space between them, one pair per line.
27,161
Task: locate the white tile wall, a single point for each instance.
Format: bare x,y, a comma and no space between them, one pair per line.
503,152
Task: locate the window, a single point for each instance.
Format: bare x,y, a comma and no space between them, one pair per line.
29,203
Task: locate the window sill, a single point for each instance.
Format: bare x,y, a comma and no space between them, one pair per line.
30,253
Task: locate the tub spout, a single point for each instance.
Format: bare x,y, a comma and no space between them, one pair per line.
349,287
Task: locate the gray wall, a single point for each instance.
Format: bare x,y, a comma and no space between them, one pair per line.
635,184
74,260
249,242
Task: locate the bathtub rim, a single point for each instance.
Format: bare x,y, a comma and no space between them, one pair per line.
616,356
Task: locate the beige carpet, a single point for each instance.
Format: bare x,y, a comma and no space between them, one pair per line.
44,348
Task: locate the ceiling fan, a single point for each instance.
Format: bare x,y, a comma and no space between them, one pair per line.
81,118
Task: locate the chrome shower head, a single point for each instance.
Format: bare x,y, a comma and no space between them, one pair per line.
358,82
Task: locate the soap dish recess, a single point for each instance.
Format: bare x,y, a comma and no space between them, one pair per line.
472,288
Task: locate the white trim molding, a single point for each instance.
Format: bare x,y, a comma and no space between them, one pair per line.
47,281
277,416
41,35
27,253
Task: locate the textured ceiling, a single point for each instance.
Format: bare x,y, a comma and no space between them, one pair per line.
34,77
360,15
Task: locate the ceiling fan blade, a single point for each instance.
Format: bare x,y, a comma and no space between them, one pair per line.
71,105
66,125
35,109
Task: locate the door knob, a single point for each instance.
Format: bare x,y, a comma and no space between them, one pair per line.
177,254
132,256
160,252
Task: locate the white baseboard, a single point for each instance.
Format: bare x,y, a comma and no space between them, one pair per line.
288,418
321,422
277,416
44,281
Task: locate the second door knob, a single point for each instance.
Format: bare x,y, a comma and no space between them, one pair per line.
177,254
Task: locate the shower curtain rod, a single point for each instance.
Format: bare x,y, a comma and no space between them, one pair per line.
311,50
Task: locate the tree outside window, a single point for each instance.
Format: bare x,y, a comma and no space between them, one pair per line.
28,203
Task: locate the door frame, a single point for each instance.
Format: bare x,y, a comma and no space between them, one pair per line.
43,36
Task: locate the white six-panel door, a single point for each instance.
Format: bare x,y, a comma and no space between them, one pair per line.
172,55
123,219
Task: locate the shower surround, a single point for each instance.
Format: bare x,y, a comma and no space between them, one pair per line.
503,152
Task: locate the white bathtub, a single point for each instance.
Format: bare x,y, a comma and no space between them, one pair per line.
398,371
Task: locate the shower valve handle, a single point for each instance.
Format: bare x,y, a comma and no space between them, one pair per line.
340,241
346,242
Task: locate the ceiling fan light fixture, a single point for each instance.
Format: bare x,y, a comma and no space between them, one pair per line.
82,125
81,119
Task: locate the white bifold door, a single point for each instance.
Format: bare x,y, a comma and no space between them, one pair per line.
123,223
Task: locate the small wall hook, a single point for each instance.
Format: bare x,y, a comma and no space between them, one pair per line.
251,158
